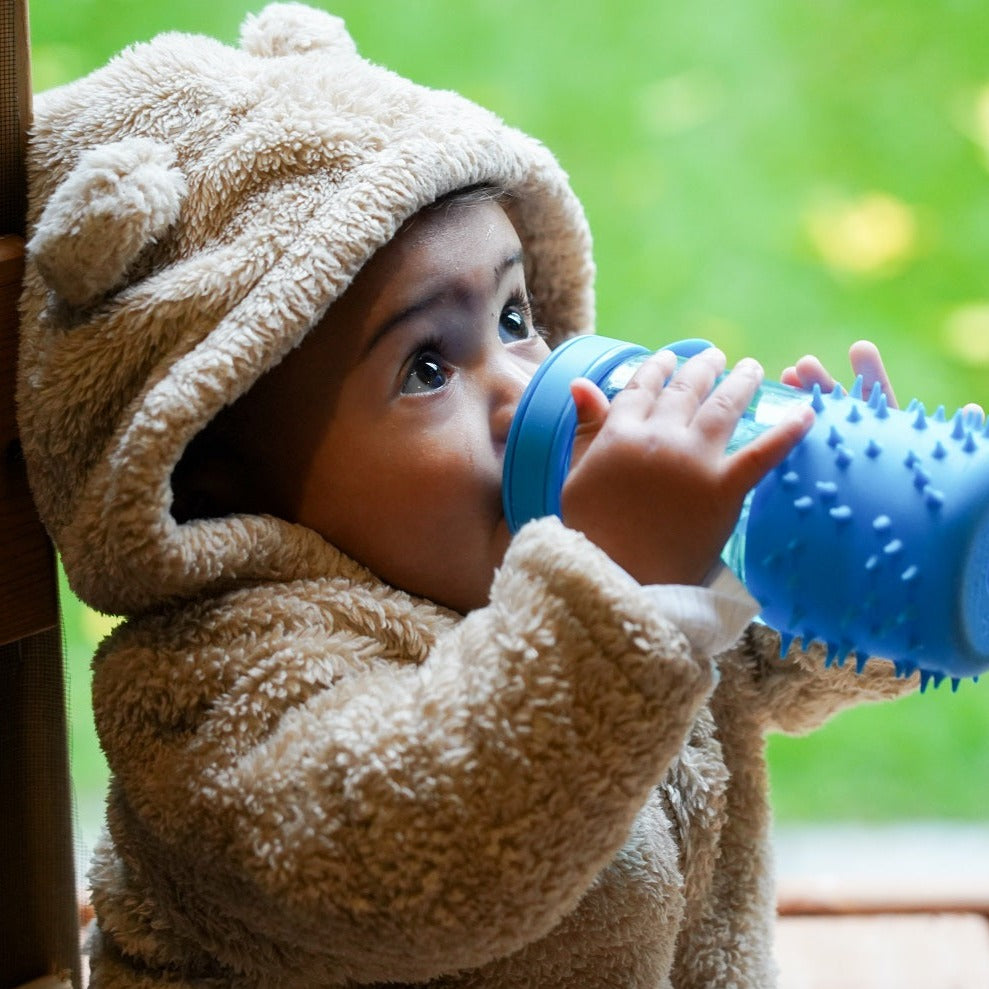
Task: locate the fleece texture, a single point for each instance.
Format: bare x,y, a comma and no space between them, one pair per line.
318,780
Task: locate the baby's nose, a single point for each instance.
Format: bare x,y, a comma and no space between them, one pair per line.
509,384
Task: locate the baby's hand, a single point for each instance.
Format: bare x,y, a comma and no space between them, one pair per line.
865,360
650,481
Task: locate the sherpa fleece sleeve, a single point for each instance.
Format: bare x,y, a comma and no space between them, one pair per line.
330,789
800,691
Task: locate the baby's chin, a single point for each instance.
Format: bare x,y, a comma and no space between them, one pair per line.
470,599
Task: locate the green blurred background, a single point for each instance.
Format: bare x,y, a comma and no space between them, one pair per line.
782,178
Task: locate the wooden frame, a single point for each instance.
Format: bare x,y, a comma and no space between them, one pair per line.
39,931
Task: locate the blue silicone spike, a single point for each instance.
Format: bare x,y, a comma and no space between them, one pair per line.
816,399
939,415
940,451
786,640
838,392
860,661
970,446
873,449
912,407
844,457
856,391
955,683
834,437
874,395
920,422
882,524
925,679
882,408
957,426
854,414
933,498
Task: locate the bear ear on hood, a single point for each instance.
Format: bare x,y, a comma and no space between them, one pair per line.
118,199
294,29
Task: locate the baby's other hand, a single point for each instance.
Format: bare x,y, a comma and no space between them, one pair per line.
865,360
650,480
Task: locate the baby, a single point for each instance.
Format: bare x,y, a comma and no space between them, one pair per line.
279,310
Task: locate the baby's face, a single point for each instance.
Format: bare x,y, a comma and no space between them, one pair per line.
405,394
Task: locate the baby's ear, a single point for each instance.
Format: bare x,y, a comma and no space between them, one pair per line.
294,29
118,199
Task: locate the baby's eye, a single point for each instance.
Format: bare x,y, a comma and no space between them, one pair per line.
513,324
427,373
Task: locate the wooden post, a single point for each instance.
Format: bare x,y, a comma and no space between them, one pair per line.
39,928
27,587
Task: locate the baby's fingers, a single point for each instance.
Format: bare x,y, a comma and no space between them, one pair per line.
749,465
719,414
867,361
659,388
648,381
806,373
974,409
686,393
592,409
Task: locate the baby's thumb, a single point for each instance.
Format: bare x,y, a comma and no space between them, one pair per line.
592,409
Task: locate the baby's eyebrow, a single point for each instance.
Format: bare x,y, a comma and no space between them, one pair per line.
433,299
514,259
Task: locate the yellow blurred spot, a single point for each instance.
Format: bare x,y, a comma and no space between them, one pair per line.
96,626
978,122
871,235
966,334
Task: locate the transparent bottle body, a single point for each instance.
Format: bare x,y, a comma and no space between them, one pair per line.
769,405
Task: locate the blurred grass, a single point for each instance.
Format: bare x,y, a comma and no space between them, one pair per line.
782,178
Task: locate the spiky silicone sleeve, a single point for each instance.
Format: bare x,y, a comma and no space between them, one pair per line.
874,536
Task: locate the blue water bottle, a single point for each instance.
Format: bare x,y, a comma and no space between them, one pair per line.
872,536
